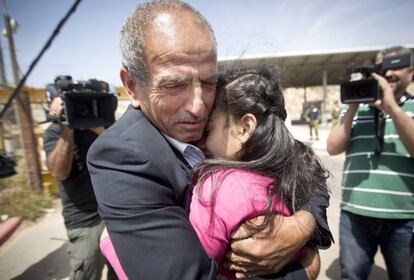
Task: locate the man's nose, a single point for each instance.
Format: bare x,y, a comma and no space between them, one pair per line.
390,75
195,103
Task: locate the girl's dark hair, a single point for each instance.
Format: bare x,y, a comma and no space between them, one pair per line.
271,150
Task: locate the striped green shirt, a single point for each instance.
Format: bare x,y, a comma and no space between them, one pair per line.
379,186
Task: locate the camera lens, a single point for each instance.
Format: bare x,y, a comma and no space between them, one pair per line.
364,92
82,110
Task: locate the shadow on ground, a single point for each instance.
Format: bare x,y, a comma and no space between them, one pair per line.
334,272
53,266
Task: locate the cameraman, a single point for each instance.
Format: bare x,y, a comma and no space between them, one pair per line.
66,151
377,187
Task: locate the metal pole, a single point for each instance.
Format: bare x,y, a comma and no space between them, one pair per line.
25,116
324,84
3,79
3,82
305,104
305,98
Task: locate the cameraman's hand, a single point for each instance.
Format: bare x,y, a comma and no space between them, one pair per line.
56,107
387,102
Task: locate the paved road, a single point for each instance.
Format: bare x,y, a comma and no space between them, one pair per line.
38,251
330,258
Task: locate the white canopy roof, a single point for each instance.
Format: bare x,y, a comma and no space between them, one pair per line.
299,69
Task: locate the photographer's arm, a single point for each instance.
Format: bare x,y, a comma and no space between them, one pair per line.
338,138
403,123
60,159
405,128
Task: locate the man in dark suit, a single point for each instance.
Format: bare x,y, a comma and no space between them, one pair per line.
139,165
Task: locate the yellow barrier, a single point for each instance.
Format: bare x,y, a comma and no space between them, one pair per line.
49,183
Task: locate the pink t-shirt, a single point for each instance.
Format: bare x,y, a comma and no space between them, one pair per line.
108,250
240,196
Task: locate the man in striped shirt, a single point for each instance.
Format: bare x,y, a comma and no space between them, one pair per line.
377,206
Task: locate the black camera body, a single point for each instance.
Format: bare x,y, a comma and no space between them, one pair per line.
367,89
7,165
87,104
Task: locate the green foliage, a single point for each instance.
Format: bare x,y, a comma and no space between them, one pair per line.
22,202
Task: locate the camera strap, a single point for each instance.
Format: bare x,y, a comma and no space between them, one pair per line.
379,125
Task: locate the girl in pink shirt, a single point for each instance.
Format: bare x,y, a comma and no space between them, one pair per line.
259,168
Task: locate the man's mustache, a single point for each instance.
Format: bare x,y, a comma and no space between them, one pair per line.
191,118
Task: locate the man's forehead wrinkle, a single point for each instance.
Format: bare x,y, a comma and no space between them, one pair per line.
166,76
168,58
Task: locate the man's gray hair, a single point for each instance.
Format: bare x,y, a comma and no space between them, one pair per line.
132,40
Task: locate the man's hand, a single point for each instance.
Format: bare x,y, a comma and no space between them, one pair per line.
56,107
402,122
268,251
97,130
387,102
311,262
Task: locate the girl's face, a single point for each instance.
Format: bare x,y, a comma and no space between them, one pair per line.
222,137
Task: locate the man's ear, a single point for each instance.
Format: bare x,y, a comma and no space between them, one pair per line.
247,126
132,89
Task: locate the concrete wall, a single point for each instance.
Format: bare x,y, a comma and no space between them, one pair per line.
295,98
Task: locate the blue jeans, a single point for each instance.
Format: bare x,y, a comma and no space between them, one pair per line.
359,238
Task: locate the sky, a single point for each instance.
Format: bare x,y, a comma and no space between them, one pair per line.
87,46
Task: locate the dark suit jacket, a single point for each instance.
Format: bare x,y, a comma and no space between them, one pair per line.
142,191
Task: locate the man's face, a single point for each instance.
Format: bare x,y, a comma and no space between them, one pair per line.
182,77
399,79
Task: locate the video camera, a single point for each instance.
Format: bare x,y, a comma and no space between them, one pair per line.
7,165
87,104
367,89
